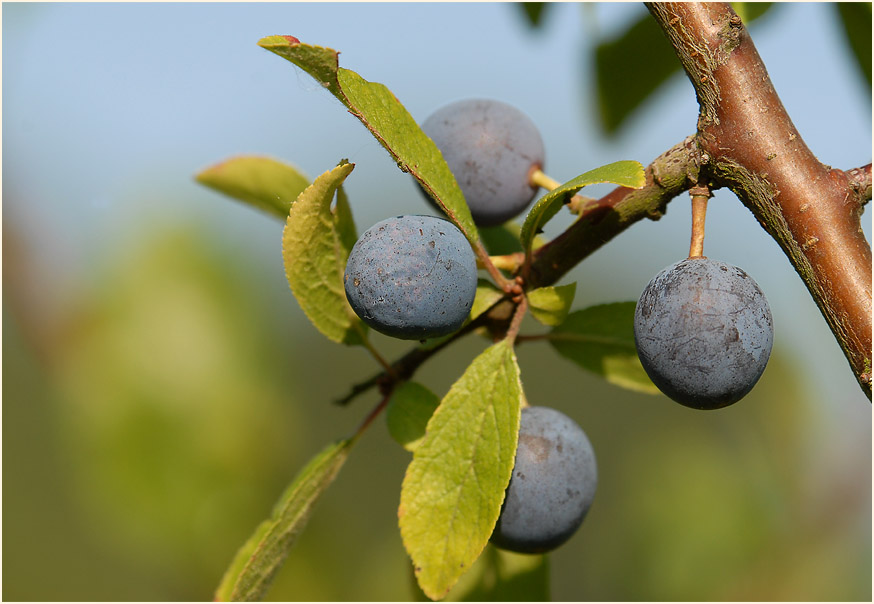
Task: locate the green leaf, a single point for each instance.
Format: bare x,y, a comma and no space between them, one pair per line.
550,305
256,563
487,293
624,173
453,489
502,576
392,125
267,184
601,339
409,409
225,590
856,19
315,246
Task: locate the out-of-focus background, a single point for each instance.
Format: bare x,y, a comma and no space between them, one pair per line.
161,384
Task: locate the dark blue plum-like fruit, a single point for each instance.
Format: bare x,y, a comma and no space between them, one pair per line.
704,332
491,149
412,277
552,486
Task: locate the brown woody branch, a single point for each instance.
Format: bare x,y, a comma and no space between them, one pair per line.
810,209
600,221
747,142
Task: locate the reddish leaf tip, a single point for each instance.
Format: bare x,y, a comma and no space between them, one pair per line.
292,39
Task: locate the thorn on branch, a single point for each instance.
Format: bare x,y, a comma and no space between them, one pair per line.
860,181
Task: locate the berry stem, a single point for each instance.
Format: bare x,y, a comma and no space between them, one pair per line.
375,353
700,194
516,322
508,262
485,261
539,178
542,180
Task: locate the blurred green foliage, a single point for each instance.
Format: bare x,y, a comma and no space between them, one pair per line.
856,19
633,65
533,12
146,439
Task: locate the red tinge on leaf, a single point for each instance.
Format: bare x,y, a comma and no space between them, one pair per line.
292,39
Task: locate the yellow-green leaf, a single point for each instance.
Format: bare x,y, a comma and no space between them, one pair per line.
387,119
315,246
624,173
256,563
409,409
601,339
453,489
265,183
487,294
550,305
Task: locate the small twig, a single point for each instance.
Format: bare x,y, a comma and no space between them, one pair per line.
386,397
375,353
406,366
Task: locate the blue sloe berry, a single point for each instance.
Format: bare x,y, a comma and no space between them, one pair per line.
412,277
552,486
491,148
703,331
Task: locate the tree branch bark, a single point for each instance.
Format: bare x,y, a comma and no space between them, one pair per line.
673,172
752,147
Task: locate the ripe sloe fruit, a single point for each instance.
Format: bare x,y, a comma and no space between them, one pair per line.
552,486
703,331
412,277
491,149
